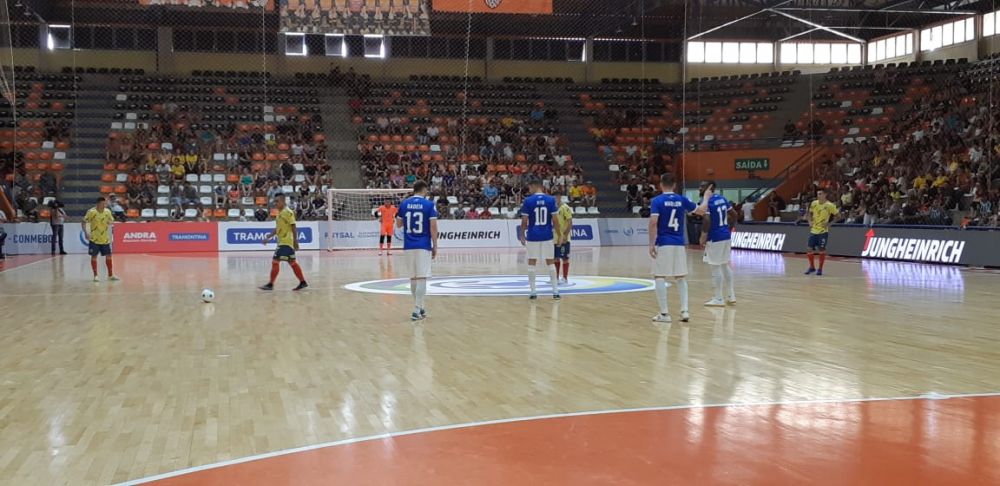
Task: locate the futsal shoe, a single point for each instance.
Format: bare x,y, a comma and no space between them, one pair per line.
685,316
662,318
423,313
113,278
716,303
819,273
556,297
301,286
97,279
731,300
416,316
811,271
532,297
267,286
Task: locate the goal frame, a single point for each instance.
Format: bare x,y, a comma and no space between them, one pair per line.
331,193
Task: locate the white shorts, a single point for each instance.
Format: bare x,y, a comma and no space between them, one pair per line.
417,263
541,250
718,252
670,261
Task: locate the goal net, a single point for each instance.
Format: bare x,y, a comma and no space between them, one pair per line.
352,215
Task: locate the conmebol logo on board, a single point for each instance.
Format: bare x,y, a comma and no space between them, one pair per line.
916,249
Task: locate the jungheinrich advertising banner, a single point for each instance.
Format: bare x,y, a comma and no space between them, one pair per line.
494,6
355,17
928,245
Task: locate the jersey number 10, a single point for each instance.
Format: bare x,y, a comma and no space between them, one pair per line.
541,216
415,223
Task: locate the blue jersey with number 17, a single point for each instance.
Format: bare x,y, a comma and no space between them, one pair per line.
717,217
671,210
416,213
539,208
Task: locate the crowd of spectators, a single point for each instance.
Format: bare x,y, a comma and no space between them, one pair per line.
935,165
168,151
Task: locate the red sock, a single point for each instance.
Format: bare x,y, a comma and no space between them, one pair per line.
111,270
566,269
93,265
298,270
812,262
822,259
558,262
275,267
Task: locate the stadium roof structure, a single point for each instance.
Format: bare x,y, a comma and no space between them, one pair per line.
773,20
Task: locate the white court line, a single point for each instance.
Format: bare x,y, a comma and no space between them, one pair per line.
5,270
389,435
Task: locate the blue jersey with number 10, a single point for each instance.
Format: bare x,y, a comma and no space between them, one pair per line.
718,218
416,213
539,208
671,210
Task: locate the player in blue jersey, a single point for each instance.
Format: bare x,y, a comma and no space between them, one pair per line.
667,224
717,228
537,217
417,217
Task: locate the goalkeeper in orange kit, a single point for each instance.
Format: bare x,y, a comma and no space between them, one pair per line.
387,215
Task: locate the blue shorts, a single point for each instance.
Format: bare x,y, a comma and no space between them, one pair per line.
562,251
95,249
818,242
285,253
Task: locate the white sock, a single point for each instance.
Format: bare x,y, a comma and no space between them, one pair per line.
661,295
682,287
531,278
413,288
727,275
717,281
554,278
421,292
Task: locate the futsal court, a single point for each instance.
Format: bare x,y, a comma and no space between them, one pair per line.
875,373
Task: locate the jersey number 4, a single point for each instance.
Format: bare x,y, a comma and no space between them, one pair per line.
541,216
674,223
415,223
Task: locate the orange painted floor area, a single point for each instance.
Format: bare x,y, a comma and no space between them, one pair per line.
953,441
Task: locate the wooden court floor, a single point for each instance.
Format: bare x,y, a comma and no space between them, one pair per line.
114,382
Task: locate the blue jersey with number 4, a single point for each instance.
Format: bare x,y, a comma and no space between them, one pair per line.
416,213
539,208
717,217
671,210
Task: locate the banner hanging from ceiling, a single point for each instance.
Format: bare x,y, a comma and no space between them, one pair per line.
356,17
232,4
494,6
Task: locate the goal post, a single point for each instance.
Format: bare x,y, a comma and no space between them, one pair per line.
351,210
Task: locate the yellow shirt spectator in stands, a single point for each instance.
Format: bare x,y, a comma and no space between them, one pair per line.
919,183
100,225
178,170
285,221
940,181
821,214
575,192
191,158
564,218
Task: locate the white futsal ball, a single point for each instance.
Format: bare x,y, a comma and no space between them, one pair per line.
207,296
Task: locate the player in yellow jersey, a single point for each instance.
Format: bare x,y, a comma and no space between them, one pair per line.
97,229
288,244
563,233
820,215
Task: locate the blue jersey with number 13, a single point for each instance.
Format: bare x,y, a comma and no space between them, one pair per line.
416,213
671,210
539,208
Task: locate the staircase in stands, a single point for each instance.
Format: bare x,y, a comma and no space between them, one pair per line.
342,150
85,160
